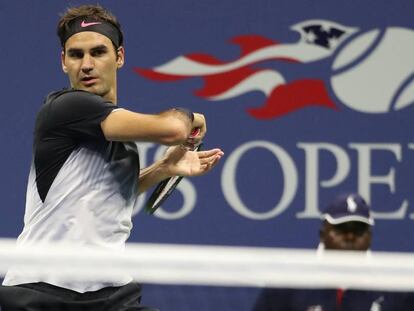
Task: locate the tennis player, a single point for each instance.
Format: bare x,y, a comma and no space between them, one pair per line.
85,176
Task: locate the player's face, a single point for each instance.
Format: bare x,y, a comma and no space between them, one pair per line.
353,235
91,63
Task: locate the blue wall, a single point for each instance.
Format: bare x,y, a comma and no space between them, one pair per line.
354,77
278,171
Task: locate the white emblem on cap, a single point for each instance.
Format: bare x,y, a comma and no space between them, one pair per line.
352,206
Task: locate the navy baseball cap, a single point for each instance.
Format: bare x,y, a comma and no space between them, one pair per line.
348,207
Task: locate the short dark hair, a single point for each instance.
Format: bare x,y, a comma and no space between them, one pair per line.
96,12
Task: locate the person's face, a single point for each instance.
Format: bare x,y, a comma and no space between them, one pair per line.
352,235
90,61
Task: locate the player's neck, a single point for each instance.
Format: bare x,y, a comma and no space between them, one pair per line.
111,96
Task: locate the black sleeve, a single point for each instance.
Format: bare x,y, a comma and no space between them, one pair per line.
76,114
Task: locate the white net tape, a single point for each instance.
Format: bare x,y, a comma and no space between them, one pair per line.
217,265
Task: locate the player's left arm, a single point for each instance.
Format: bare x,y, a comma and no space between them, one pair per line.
178,161
152,175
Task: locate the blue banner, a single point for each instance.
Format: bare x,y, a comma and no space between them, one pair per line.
307,99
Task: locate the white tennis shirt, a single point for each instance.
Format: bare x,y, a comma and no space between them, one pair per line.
81,188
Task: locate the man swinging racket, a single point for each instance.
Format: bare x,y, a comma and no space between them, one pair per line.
85,174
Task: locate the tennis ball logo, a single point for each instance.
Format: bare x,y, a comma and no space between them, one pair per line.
374,73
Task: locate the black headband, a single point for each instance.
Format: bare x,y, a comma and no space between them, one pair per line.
84,24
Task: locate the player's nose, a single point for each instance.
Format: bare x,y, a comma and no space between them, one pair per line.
87,63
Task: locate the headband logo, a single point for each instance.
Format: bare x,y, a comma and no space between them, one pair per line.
85,24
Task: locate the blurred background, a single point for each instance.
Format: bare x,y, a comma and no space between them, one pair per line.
308,99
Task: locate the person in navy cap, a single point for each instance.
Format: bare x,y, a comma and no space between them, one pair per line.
346,225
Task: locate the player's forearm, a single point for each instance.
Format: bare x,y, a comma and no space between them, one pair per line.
152,175
171,127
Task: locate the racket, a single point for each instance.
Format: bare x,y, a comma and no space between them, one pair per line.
164,189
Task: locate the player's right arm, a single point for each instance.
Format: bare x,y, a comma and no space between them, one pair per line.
171,127
83,116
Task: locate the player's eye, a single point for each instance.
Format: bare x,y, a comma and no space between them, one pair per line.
98,52
75,54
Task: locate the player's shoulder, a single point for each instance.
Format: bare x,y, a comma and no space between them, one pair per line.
68,105
71,103
72,96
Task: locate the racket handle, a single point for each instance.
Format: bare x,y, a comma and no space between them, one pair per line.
195,131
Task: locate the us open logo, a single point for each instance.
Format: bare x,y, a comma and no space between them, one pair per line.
370,71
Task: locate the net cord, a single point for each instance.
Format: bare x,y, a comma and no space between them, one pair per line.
217,265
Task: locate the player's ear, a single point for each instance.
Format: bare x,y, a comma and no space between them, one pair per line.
120,56
62,59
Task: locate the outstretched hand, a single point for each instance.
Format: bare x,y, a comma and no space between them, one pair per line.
183,162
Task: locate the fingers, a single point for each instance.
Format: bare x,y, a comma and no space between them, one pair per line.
209,153
209,159
206,167
200,124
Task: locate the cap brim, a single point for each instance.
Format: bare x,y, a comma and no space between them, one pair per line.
348,218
